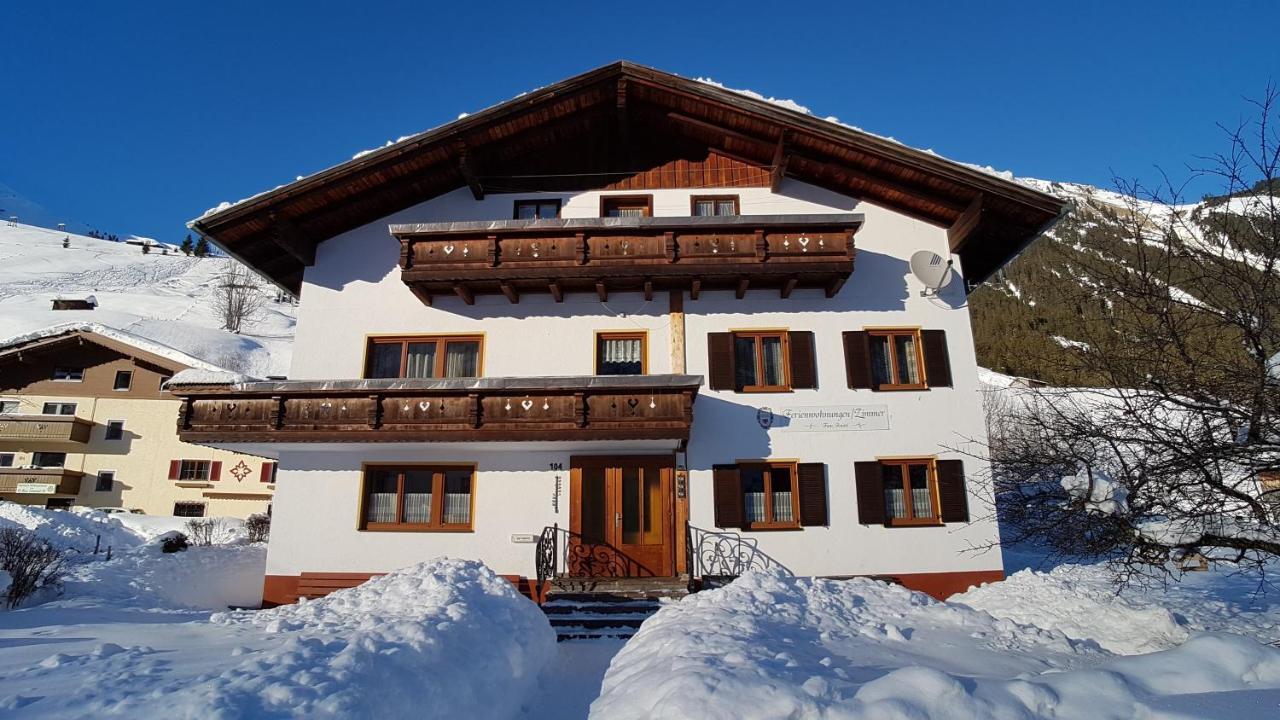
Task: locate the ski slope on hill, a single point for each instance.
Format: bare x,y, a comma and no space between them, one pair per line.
167,298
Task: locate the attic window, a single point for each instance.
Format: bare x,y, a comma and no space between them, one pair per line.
714,205
124,378
626,206
537,209
65,373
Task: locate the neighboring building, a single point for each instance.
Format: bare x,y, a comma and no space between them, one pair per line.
75,303
613,327
84,421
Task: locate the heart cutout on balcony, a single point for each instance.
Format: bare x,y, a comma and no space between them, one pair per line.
633,403
424,405
526,404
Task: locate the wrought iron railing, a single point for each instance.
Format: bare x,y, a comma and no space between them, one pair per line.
545,556
716,558
562,553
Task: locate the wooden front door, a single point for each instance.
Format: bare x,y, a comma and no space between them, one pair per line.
620,516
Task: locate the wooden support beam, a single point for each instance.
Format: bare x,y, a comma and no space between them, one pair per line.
834,286
510,292
675,304
694,288
468,171
648,290
557,291
602,291
421,294
624,123
743,283
789,285
964,225
718,130
287,237
464,292
780,159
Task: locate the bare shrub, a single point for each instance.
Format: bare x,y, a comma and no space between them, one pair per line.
258,527
239,298
31,563
205,531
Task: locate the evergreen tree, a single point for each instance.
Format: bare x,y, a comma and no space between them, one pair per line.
202,247
187,246
146,248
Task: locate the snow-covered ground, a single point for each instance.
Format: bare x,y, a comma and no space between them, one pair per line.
167,298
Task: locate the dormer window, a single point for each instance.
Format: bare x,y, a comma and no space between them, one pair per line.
537,209
626,206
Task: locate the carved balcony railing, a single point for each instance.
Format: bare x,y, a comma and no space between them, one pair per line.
56,428
40,481
642,407
604,255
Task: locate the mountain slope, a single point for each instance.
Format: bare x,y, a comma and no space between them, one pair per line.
168,298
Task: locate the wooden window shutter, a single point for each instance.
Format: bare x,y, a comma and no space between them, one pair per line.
951,491
937,364
857,359
727,488
811,479
870,493
265,476
804,367
175,467
720,372
215,470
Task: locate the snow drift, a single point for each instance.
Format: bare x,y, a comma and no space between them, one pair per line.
769,646
445,638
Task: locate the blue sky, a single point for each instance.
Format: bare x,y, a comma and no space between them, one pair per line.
135,117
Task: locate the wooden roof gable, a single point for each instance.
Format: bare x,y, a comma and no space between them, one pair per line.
592,129
74,338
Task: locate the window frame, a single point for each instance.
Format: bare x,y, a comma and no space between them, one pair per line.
97,481
39,453
204,508
793,467
890,334
785,336
441,353
60,405
69,370
437,498
641,335
182,475
128,384
931,467
608,200
8,459
14,405
106,435
717,199
516,205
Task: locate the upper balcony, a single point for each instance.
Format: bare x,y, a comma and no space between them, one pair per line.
637,407
53,428
631,254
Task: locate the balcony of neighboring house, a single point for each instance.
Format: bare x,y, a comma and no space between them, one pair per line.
627,254
47,428
593,407
40,480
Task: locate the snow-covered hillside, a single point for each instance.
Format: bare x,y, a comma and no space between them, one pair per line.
165,297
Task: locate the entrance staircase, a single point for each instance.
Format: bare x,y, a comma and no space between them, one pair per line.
606,608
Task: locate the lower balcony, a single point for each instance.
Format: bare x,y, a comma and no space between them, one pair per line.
40,481
56,428
641,407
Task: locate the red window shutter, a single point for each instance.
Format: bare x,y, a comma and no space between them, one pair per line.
870,488
175,467
720,372
215,470
804,368
268,472
727,488
951,491
937,363
857,360
811,480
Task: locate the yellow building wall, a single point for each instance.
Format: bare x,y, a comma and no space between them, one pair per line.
141,460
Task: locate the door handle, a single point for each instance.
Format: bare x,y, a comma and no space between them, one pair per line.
617,519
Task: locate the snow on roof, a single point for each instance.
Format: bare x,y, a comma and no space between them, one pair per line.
197,376
127,338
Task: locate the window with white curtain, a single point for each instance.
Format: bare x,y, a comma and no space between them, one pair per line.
760,360
895,358
909,491
620,354
417,498
423,357
768,495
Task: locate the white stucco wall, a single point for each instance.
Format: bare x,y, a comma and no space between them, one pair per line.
354,290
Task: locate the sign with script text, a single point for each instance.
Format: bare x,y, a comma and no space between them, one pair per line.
825,418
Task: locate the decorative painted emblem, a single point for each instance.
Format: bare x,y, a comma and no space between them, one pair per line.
240,471
764,416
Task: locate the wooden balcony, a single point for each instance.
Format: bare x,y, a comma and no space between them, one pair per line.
40,481
54,428
643,407
604,255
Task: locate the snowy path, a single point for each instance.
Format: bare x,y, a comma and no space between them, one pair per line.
573,681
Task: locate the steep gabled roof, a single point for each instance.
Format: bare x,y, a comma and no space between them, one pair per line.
601,113
125,343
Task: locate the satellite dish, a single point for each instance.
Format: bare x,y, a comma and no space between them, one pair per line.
931,269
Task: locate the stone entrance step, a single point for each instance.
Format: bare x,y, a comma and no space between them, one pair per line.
608,608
